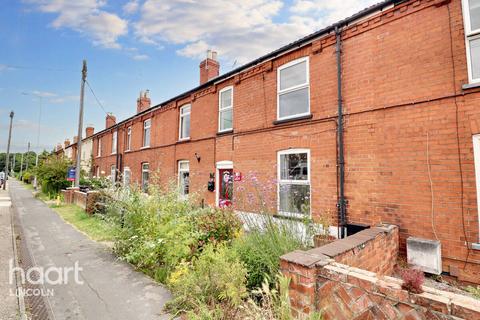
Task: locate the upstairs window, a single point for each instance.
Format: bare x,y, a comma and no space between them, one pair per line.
128,142
294,182
185,122
471,14
293,88
146,132
145,176
99,147
184,177
114,142
225,110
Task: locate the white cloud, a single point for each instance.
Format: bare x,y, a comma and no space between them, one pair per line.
140,57
86,17
4,67
240,30
43,94
131,7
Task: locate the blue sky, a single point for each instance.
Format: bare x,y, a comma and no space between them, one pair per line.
130,45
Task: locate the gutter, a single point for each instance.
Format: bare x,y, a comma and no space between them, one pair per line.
272,55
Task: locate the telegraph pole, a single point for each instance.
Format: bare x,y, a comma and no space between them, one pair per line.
80,125
8,149
21,166
28,151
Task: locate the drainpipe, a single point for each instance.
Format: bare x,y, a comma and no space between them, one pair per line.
341,204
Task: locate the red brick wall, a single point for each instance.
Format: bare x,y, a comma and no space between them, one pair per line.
344,291
403,72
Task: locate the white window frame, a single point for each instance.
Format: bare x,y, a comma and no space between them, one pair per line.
145,170
180,171
113,170
147,124
476,157
296,182
181,116
129,139
125,170
114,141
220,109
294,88
469,35
99,147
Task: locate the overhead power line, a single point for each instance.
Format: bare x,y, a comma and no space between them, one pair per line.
95,96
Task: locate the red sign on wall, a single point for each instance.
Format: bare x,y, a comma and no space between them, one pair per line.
237,176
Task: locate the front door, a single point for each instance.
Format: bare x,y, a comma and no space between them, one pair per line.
225,191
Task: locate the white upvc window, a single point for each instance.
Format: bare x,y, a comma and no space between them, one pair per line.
294,182
476,157
184,126
225,109
184,177
146,132
128,142
99,147
145,176
112,173
127,176
114,141
293,89
471,14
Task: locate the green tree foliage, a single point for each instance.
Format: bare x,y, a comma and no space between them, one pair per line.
52,175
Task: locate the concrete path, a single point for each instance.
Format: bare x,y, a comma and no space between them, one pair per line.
108,288
8,304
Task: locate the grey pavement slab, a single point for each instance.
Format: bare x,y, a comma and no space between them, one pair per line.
8,304
111,289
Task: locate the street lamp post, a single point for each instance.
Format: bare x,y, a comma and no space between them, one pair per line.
8,149
38,133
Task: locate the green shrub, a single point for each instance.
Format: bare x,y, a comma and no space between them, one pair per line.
158,232
260,250
52,175
216,277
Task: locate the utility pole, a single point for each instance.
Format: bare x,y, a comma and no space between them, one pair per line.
38,142
21,166
80,125
28,151
8,149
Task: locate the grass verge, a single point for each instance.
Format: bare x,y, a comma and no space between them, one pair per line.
94,227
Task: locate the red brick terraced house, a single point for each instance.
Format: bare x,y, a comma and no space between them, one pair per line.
374,119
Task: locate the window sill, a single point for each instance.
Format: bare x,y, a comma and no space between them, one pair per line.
476,246
472,85
128,151
291,216
307,117
224,133
183,140
146,147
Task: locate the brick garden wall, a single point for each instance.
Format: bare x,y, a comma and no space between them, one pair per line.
340,291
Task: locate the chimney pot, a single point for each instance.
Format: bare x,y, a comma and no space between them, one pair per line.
110,120
89,131
66,143
209,68
143,102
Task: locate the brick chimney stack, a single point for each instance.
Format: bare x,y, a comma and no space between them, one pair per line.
110,120
143,102
75,139
89,131
66,143
59,147
209,68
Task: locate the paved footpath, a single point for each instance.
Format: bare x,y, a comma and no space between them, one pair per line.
8,304
111,289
